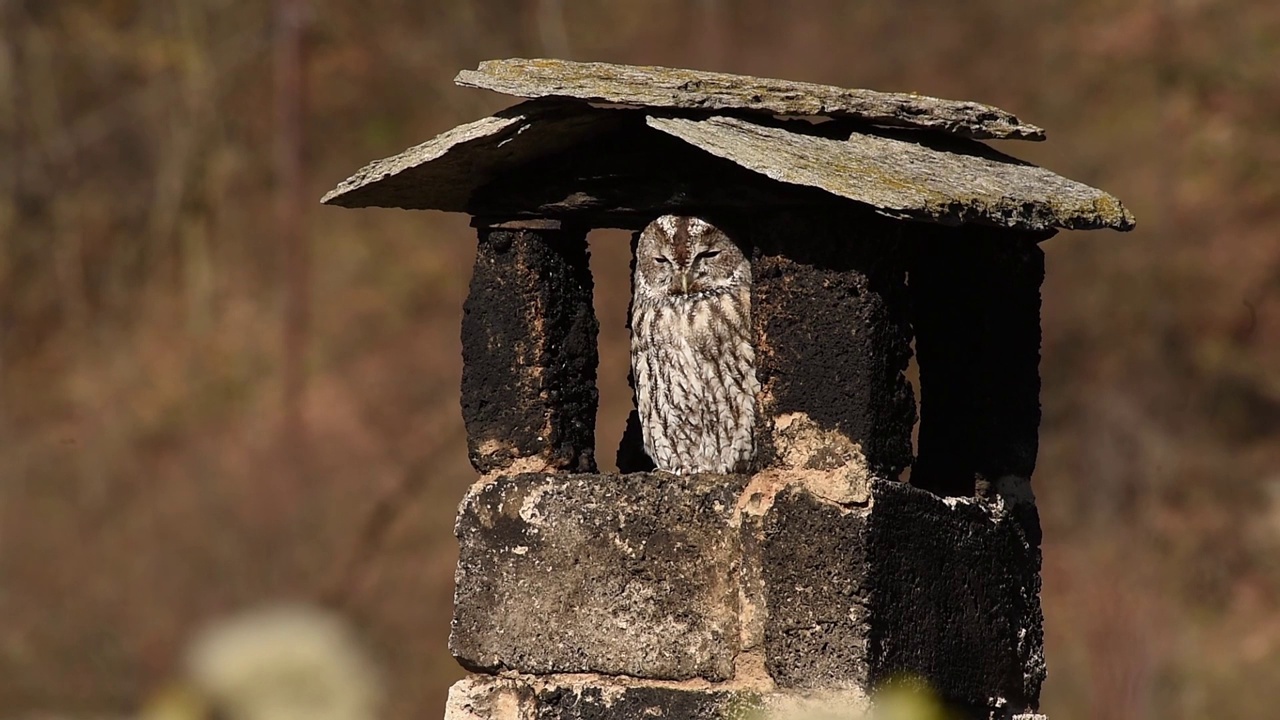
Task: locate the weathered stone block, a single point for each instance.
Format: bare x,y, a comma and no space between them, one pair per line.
955,592
595,702
626,575
481,697
813,565
833,337
682,89
529,351
908,584
593,697
602,698
793,579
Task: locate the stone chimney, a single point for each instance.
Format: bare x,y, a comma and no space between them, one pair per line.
877,224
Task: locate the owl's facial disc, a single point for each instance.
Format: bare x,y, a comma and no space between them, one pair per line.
680,255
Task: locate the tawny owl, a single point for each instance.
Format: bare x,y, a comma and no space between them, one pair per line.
691,347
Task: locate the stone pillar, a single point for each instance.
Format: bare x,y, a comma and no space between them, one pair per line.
529,350
831,309
975,296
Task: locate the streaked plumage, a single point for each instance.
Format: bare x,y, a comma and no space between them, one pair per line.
691,347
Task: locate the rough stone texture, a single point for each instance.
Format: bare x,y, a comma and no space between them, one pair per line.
955,592
833,340
624,575
619,168
673,88
601,698
593,702
442,173
976,305
947,591
814,564
480,697
529,352
945,181
593,697
755,585
833,466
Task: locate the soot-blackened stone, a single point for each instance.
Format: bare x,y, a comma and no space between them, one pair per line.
813,563
943,591
833,332
975,296
630,703
529,351
624,575
955,595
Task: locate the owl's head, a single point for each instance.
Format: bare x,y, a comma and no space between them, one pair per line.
682,255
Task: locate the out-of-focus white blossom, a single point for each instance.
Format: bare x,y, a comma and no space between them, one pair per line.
288,662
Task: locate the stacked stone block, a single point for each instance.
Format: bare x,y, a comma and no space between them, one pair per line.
529,349
800,588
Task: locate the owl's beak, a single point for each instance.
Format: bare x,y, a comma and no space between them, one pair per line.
681,281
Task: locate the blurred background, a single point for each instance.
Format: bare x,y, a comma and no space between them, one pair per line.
216,392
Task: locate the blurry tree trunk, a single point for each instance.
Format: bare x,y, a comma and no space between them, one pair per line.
553,35
1167,65
290,77
10,167
713,26
9,103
